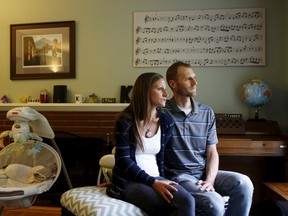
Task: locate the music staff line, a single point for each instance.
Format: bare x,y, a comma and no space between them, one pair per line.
219,50
201,62
204,17
200,39
197,28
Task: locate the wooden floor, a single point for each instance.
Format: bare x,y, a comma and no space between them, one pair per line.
32,211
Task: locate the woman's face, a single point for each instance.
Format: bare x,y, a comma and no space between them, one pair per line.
158,93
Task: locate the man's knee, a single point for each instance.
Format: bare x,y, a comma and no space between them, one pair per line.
217,207
212,209
246,185
211,205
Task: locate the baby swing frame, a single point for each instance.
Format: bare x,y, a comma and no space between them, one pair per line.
26,196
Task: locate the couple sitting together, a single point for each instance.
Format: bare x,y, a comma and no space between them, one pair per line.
166,160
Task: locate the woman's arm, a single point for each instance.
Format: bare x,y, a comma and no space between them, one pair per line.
125,154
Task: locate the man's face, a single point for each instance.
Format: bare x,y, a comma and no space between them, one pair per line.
185,83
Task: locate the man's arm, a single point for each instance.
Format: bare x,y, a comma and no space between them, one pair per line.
212,165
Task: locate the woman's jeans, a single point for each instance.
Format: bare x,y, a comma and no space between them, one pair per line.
235,185
146,198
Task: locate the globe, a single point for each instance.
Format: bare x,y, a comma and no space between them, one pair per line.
256,93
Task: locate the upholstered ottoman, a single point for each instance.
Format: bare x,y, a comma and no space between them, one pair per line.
93,201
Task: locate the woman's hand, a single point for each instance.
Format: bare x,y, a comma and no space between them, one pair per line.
164,188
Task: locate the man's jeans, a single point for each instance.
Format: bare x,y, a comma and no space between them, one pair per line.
235,185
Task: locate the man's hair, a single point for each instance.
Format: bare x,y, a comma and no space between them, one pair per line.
171,72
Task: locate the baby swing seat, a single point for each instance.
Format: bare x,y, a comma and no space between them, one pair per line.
27,169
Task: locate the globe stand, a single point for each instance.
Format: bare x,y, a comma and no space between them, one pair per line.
256,115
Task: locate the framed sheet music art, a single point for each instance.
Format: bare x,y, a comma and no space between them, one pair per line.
222,37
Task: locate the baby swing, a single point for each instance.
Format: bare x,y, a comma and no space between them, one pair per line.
28,166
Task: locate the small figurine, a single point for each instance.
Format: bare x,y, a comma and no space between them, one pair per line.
4,99
92,98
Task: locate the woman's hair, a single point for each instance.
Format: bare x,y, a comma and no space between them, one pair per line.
140,107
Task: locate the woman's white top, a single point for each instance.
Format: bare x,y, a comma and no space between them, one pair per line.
146,159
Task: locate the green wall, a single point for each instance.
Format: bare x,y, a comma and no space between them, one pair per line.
104,51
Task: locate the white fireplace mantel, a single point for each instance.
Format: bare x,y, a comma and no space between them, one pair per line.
81,107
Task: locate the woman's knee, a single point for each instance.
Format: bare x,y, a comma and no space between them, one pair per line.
183,198
183,202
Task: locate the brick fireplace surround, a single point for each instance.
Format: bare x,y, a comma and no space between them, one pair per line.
82,132
85,120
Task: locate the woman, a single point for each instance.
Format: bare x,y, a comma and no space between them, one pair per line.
142,131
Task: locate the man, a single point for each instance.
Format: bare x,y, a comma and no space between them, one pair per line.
191,156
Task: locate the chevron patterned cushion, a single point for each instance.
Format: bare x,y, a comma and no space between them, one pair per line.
93,201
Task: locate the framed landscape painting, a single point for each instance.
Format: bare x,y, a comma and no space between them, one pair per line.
42,50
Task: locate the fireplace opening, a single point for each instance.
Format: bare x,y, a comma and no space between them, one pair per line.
81,156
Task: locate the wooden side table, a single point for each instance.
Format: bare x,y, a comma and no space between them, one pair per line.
261,153
277,194
277,190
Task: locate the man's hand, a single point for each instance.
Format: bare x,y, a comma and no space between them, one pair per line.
205,186
164,188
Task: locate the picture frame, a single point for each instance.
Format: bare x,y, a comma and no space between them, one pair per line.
42,50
